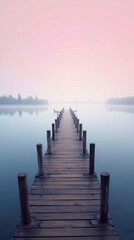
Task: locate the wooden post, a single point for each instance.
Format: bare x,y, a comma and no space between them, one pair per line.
80,132
76,122
49,142
77,125
40,159
23,192
104,197
84,142
53,132
58,122
91,158
56,125
74,119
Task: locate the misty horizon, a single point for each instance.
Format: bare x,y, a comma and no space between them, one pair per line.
30,100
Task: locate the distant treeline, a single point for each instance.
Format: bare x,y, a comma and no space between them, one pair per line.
10,100
121,101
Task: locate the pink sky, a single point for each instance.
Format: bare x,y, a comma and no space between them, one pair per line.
67,49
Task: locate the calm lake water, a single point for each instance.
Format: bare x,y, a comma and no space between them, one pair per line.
109,127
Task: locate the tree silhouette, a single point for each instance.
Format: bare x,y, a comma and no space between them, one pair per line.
24,101
19,99
121,101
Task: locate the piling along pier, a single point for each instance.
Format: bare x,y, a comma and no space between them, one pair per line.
66,201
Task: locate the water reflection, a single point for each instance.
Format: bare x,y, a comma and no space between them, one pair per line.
118,108
12,110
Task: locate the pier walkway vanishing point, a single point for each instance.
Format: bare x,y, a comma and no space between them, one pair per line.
65,201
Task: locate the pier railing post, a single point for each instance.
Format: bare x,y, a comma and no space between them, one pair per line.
91,158
77,125
74,119
53,132
84,142
49,142
80,132
76,122
104,197
56,125
40,159
23,192
58,122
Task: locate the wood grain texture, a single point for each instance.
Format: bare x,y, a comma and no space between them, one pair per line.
66,200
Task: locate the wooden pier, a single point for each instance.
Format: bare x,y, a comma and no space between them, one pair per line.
64,201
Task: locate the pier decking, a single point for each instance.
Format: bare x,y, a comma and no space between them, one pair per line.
65,202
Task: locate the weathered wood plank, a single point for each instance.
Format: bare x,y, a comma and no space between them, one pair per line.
64,187
68,184
65,216
58,180
71,238
64,209
108,231
64,192
65,197
64,202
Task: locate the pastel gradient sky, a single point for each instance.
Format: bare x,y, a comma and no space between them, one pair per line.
67,49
